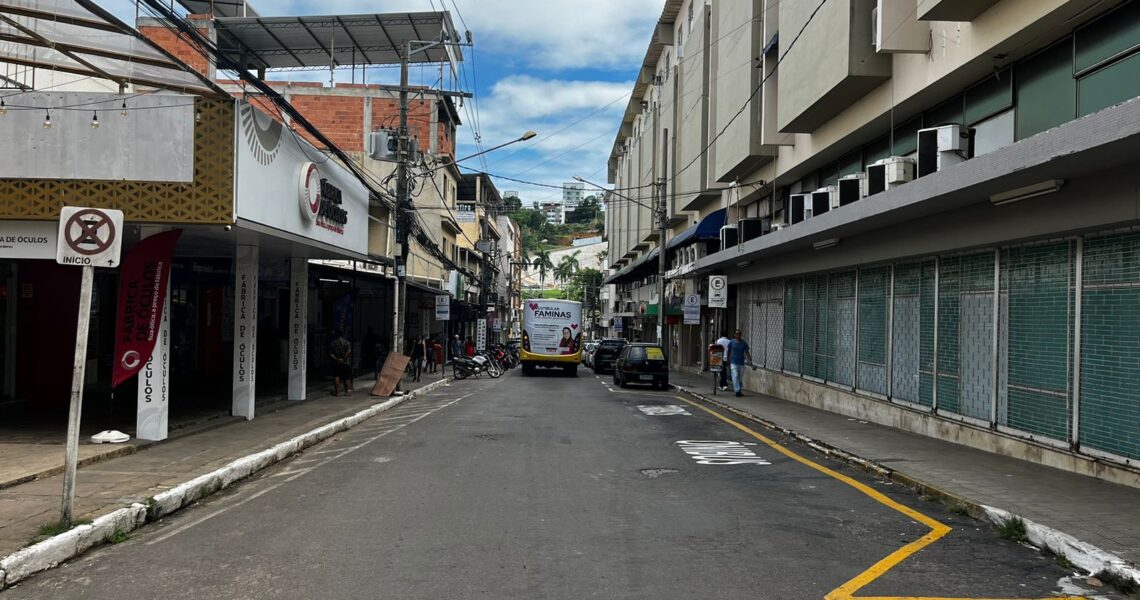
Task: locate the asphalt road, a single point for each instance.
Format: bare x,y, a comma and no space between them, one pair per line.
555,487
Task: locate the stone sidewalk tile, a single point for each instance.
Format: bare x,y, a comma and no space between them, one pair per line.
1103,514
113,483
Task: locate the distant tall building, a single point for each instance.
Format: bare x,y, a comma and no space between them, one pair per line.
572,194
555,213
510,194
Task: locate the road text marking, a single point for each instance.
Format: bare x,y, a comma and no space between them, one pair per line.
654,410
721,453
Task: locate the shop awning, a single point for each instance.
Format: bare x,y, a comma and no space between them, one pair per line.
638,268
707,229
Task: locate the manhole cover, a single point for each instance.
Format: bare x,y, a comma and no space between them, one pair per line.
655,473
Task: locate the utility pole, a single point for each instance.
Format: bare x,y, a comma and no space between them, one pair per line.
403,205
662,214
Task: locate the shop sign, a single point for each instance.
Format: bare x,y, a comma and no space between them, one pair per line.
692,309
442,308
28,239
274,165
718,291
481,335
465,212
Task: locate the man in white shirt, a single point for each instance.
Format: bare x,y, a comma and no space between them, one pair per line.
723,341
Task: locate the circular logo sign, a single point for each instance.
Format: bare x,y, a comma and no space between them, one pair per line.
716,283
131,359
309,192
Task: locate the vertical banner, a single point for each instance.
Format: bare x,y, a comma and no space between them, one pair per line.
143,282
245,330
298,327
481,335
152,418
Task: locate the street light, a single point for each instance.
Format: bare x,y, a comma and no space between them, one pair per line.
659,211
522,138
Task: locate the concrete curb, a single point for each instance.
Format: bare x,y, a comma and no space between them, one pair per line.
57,549
1083,555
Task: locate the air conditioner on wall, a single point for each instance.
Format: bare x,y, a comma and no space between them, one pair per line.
727,237
889,173
942,147
824,199
852,188
750,229
800,208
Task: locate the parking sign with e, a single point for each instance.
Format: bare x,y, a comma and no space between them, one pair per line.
89,237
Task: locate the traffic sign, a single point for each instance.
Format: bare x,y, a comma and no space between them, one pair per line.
89,237
692,309
718,291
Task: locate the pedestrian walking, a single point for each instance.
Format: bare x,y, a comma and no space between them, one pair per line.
417,355
340,351
436,350
723,341
429,354
739,355
456,349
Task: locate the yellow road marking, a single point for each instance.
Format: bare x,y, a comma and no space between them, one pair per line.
847,590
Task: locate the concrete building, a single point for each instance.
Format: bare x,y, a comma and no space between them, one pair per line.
925,212
572,194
554,211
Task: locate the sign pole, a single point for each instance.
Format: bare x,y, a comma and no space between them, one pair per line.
78,368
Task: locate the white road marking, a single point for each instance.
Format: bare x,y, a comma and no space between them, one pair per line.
298,473
662,411
711,452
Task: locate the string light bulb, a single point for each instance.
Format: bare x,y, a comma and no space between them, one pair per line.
95,120
3,107
123,110
47,120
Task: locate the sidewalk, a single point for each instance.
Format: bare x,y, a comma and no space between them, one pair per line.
111,483
1103,514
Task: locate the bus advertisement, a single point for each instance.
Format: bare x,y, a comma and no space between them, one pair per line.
552,335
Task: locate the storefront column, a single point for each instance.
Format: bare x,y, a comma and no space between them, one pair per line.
298,326
245,330
151,419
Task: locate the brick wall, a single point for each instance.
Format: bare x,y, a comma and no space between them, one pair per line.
178,44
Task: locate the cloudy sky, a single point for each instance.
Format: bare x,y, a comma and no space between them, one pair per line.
562,68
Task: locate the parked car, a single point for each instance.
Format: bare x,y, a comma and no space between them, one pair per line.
642,363
606,353
587,352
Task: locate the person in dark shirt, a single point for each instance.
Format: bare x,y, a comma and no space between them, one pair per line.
340,351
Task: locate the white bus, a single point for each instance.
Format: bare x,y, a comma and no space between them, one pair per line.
552,335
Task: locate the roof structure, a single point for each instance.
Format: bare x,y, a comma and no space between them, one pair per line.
77,36
311,42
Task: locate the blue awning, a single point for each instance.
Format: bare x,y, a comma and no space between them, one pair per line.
636,270
707,229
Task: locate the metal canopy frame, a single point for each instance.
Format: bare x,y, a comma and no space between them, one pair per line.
331,41
79,37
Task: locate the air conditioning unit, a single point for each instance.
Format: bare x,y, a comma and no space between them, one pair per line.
824,199
727,237
800,208
889,173
852,188
942,147
383,145
750,229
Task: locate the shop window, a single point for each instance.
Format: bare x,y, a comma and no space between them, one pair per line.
993,133
851,163
1111,85
876,150
988,97
1046,90
1111,36
906,137
947,113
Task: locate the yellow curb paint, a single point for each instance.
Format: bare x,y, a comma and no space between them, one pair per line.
847,590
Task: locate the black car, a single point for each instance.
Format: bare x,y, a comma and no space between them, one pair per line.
642,363
606,353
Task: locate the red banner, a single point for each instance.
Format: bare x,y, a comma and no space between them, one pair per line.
142,292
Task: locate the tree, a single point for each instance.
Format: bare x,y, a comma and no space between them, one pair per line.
512,203
585,212
541,261
567,267
602,256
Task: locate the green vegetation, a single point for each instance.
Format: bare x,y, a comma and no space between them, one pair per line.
537,234
118,537
1013,529
54,529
